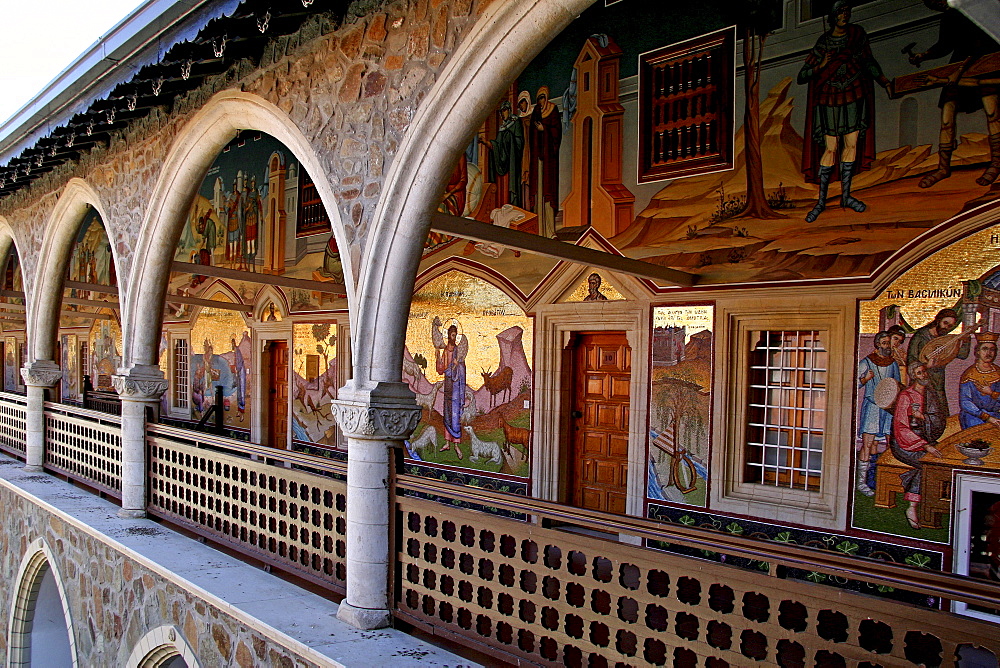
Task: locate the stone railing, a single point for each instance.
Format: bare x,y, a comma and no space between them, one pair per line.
84,445
531,594
283,508
12,415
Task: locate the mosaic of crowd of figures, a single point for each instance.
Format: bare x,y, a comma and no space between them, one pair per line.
642,123
928,404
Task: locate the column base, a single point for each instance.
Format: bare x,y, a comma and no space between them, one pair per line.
363,618
32,468
132,514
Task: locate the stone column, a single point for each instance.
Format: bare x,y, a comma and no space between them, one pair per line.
37,376
375,420
138,387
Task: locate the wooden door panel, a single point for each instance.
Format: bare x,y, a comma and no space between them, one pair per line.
599,440
607,416
618,446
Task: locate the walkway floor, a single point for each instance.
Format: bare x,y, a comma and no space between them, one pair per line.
290,615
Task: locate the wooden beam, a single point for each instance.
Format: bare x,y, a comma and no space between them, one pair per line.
90,302
255,277
86,315
4,306
560,250
12,293
211,303
92,287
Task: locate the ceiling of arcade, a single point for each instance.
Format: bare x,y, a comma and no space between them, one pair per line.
351,93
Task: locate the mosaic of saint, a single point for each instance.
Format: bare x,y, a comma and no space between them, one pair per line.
105,350
627,125
221,355
680,404
70,363
928,397
468,359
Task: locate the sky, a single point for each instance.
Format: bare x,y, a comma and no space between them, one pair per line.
42,37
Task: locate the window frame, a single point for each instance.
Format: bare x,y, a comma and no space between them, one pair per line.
738,320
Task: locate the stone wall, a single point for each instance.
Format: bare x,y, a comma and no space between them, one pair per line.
350,88
115,600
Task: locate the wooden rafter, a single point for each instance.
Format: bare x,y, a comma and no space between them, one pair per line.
560,250
255,277
171,298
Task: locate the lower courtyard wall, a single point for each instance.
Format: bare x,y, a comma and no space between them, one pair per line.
115,598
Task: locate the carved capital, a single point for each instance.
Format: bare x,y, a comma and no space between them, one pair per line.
139,389
376,422
139,383
41,373
376,411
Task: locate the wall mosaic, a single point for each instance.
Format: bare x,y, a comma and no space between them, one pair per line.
257,210
105,341
680,400
315,382
623,126
223,339
927,384
468,359
71,384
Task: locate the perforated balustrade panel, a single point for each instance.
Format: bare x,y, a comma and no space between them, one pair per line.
85,450
286,517
544,596
12,435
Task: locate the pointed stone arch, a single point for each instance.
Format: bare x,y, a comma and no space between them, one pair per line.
270,295
184,167
61,229
37,566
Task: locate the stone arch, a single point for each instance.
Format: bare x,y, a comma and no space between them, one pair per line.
504,40
184,167
270,295
8,241
163,647
38,566
60,235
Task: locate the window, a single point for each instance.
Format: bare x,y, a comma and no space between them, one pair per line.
783,440
312,218
686,107
180,384
786,409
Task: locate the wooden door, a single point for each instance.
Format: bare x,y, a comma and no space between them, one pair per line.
602,370
277,405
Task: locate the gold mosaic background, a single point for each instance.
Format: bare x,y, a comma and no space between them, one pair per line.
607,289
482,311
695,318
966,259
305,343
220,326
105,347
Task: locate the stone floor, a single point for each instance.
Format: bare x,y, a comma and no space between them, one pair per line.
291,616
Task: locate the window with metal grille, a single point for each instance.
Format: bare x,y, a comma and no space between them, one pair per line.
786,412
180,373
85,358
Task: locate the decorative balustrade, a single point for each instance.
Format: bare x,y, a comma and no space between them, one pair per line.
528,593
84,445
283,508
12,415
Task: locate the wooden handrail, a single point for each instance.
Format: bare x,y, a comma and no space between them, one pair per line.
19,399
203,439
944,585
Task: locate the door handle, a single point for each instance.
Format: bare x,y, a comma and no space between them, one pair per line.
576,414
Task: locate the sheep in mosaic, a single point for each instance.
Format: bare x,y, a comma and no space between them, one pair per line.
489,450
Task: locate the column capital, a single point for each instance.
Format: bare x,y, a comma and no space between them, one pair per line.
41,373
377,411
140,382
